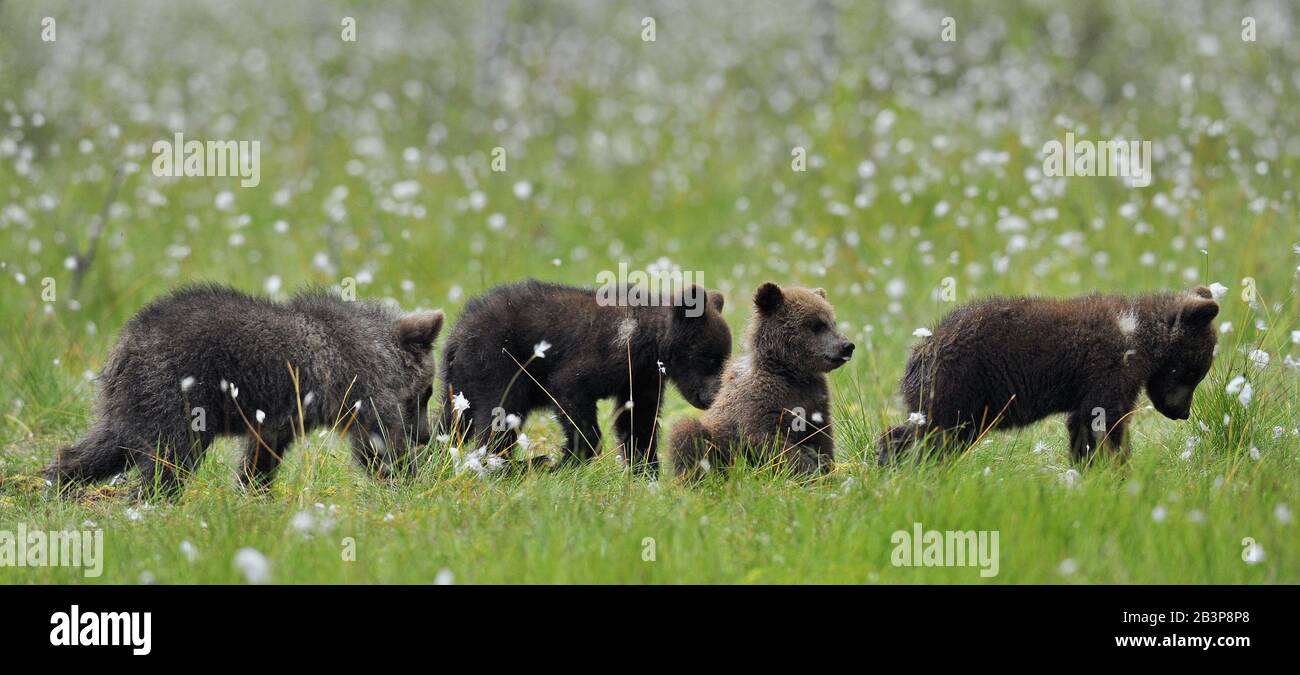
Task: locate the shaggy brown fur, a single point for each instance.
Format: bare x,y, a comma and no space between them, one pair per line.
597,352
203,361
1009,362
774,396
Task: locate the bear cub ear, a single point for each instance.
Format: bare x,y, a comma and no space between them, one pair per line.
768,297
820,292
418,330
1194,311
716,300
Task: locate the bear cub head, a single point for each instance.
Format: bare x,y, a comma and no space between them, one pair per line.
415,334
699,346
794,330
1185,352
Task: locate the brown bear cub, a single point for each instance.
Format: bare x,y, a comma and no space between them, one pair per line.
534,345
209,361
775,403
1009,362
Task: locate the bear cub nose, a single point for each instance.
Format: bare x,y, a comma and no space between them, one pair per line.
846,350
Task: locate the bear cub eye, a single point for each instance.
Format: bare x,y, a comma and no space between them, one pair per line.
817,326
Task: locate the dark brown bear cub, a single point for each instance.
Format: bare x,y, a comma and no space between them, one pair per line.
1009,362
534,345
208,361
775,403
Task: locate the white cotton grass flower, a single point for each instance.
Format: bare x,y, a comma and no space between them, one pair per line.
513,421
303,522
1259,357
817,418
1247,393
1283,514
261,416
1071,478
306,400
273,284
1218,290
1039,447
444,578
1068,567
523,442
190,551
922,332
1235,385
661,367
253,565
234,391
478,462
916,419
459,403
187,383
523,189
1159,513
1254,453
133,514
1225,327
539,349
225,386
1295,337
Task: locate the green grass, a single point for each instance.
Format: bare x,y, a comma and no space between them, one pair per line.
678,149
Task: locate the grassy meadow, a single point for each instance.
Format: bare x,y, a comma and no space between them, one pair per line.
836,144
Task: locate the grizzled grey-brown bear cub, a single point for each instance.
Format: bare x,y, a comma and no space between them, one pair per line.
774,396
1009,362
586,351
208,361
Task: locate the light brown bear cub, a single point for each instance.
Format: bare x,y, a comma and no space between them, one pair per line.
774,403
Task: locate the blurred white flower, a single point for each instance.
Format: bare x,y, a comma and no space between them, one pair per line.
1159,513
459,403
444,578
261,416
253,565
539,349
1235,385
303,521
187,383
1247,393
1253,554
1218,290
1067,567
273,284
523,189
188,550
1259,357
1283,514
916,419
922,332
